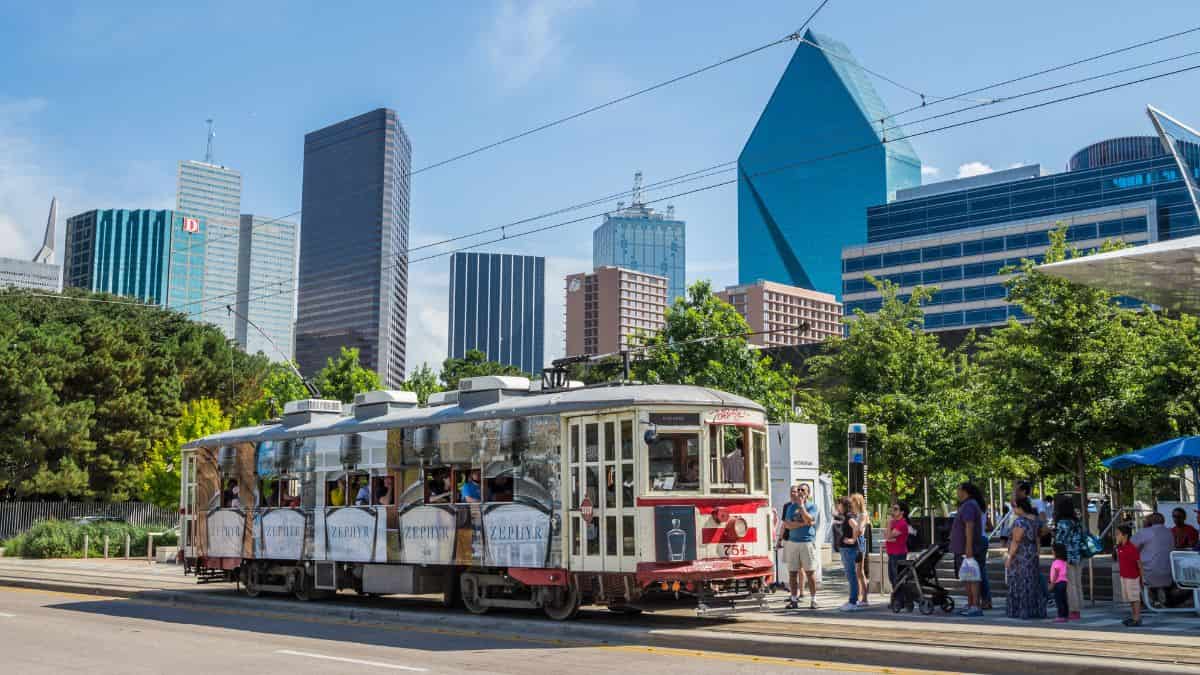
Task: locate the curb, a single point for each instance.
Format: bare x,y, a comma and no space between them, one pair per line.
826,650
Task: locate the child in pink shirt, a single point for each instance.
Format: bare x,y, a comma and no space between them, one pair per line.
1058,581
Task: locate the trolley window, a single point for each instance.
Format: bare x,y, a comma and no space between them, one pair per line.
674,462
728,459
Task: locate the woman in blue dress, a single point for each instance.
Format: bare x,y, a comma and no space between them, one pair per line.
1026,590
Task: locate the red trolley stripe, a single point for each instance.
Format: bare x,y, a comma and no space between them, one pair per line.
724,535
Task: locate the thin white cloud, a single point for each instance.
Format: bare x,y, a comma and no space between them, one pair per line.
930,171
23,189
524,39
1016,165
973,169
31,173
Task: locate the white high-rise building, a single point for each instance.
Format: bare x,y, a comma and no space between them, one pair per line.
214,192
266,287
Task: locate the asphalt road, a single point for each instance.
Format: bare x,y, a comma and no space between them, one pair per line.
51,632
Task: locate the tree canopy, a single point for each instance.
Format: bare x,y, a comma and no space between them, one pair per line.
474,364
703,343
88,387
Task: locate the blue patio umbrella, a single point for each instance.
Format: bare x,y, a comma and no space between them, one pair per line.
1172,454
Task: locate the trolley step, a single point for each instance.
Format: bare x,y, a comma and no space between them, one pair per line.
715,606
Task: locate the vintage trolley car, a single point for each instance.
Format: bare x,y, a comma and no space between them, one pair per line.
495,495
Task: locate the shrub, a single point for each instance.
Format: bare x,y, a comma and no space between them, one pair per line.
64,539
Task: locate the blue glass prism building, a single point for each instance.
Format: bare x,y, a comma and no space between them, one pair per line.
641,239
498,306
813,164
156,256
353,287
960,235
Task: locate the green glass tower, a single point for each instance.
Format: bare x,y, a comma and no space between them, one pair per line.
813,164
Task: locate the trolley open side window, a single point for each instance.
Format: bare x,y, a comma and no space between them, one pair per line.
737,459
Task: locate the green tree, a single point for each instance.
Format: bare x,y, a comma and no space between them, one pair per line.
344,377
891,375
279,385
87,388
160,479
1062,389
423,381
703,344
474,364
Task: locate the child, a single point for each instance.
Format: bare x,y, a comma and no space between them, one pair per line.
1129,562
1058,581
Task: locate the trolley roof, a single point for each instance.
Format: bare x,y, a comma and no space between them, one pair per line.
555,403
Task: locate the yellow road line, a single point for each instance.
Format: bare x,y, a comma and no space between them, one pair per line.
454,632
771,660
22,589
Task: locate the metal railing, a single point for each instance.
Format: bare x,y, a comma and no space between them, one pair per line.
17,517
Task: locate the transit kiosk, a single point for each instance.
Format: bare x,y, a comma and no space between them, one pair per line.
795,459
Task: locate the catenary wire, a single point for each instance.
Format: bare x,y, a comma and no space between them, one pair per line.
774,169
621,99
925,103
806,161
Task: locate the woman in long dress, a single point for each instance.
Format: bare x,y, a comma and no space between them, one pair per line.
1026,590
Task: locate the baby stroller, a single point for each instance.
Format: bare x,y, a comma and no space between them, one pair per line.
917,584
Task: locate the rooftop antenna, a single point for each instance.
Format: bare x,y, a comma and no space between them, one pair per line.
637,189
670,212
208,158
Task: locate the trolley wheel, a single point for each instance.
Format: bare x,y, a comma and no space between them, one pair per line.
926,606
565,603
302,586
897,604
469,586
249,583
947,604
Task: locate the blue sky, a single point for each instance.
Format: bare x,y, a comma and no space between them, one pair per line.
98,101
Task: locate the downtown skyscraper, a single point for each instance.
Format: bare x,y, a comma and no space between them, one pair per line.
266,295
353,287
214,193
498,306
641,239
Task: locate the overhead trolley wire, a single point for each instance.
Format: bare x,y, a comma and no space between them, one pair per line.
718,168
811,160
796,35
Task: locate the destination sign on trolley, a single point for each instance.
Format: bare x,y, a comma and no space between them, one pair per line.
675,419
735,417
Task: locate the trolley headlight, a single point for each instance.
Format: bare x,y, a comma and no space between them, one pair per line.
721,515
739,527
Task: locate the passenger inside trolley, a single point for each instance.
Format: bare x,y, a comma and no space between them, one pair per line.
470,491
439,486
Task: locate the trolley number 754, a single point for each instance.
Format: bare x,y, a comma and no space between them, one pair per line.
731,550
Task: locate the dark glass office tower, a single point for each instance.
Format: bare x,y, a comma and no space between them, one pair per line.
498,306
353,289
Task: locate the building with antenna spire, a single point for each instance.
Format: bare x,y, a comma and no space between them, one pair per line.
40,273
638,238
214,193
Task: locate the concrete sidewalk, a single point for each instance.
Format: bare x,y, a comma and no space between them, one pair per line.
991,644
